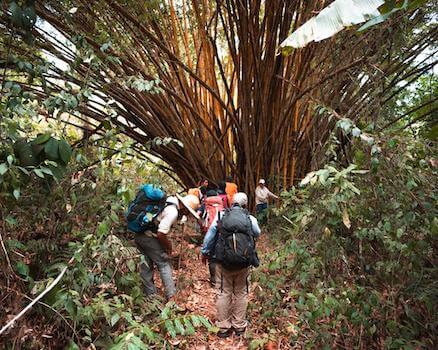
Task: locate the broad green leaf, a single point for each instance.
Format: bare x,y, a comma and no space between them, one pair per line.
46,170
39,173
65,151
114,319
22,268
43,138
72,346
332,19
24,170
10,159
3,168
51,149
383,17
11,220
16,193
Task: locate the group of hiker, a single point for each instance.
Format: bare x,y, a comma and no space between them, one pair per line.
229,244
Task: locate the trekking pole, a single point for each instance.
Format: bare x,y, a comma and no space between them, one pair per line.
180,254
180,245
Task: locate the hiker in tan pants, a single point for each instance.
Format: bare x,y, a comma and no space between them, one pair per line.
232,285
231,241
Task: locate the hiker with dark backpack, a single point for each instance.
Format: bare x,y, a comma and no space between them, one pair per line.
150,217
231,242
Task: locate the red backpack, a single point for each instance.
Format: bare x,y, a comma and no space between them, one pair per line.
212,206
224,200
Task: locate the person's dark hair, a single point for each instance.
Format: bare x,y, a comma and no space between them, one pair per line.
203,190
211,193
201,182
211,186
222,185
229,179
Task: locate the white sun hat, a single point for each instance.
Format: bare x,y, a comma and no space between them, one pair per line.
240,198
191,202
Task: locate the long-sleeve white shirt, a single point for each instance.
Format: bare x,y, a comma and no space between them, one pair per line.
263,194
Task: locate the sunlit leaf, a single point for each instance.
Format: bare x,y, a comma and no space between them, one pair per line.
3,168
42,139
114,319
16,193
346,218
332,19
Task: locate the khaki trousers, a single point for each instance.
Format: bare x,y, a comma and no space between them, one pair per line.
232,298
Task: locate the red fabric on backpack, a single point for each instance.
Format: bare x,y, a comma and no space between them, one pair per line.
212,206
224,200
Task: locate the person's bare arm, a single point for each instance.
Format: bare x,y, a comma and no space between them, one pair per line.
273,195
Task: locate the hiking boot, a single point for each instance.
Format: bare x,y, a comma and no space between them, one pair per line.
224,334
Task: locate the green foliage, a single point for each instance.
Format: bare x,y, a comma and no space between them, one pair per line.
100,295
23,16
44,157
358,264
416,108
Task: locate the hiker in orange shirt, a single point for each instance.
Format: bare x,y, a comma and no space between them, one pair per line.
230,189
200,190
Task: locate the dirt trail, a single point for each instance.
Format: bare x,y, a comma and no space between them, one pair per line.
197,296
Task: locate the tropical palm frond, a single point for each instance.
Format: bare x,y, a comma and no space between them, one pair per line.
332,19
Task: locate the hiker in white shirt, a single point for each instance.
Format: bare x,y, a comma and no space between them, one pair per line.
262,195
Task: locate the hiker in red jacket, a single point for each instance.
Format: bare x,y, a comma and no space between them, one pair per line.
213,204
221,193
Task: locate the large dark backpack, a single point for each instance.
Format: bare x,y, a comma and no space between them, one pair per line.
235,246
147,205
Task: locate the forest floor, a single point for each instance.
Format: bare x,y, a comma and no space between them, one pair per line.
195,295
